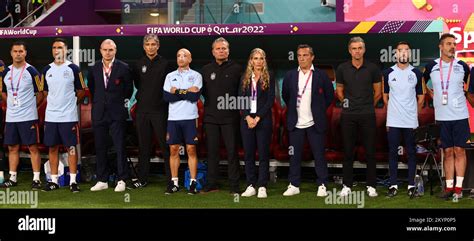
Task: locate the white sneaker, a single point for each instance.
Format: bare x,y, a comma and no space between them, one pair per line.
99,186
322,191
250,191
346,191
120,186
262,192
292,190
372,192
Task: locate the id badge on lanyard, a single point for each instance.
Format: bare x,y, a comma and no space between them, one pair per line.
253,100
444,97
16,100
300,96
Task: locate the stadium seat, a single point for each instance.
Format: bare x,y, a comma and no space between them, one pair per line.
201,147
280,151
41,108
329,69
334,151
334,146
86,133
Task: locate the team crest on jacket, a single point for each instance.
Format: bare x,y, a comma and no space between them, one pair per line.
144,69
213,76
411,79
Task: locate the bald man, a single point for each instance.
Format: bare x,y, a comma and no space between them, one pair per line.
111,87
182,90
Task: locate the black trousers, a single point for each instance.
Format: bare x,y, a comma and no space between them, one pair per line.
149,124
229,136
353,126
116,128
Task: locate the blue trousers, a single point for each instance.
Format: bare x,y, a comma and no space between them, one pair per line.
257,138
393,136
316,141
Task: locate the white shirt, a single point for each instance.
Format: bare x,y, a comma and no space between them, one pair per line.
253,100
61,82
456,108
305,115
403,86
107,71
30,83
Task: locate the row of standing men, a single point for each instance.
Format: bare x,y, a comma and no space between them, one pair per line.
167,108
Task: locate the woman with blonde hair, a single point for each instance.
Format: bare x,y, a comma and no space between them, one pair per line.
258,88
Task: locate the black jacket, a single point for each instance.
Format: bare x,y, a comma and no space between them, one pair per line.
265,99
221,84
111,100
149,78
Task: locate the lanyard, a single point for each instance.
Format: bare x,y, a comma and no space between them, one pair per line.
107,71
19,79
445,91
306,84
254,90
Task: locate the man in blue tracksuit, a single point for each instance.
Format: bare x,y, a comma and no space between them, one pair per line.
182,90
403,96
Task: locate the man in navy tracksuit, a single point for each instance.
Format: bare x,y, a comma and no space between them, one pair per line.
307,92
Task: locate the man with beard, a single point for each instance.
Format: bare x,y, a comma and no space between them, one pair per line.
403,96
448,76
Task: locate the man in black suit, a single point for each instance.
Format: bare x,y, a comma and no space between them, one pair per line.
307,92
111,87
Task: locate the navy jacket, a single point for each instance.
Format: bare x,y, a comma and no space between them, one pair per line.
265,99
322,95
111,100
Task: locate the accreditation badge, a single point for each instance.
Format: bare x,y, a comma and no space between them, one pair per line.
444,99
16,101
